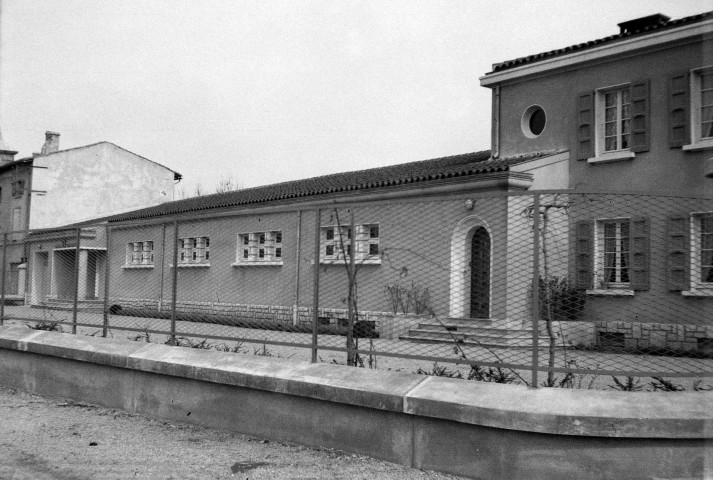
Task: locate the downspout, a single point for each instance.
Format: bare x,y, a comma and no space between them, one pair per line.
296,306
495,150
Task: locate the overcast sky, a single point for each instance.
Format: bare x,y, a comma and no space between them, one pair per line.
269,91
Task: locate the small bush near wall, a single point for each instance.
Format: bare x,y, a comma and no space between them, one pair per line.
560,299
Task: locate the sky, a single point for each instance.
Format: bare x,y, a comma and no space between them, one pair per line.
263,92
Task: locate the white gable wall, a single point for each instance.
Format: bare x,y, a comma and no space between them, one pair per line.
94,181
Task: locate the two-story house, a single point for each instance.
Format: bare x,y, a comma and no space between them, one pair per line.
635,112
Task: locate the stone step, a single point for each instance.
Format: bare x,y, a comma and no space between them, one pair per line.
489,343
494,335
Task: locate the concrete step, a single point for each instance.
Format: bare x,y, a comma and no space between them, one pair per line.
481,342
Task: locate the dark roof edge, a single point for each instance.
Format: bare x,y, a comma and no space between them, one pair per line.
534,58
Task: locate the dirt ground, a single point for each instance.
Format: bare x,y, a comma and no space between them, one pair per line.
45,438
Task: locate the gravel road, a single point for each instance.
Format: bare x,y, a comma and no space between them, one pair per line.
48,438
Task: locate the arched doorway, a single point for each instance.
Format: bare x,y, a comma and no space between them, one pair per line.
480,274
471,269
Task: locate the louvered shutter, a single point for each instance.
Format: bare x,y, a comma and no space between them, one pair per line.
678,253
678,106
584,254
639,253
585,121
640,131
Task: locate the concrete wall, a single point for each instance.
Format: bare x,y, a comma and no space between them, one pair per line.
475,429
95,181
659,169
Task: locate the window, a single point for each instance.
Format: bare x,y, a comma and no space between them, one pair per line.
338,243
613,122
18,188
691,110
194,251
139,254
259,248
617,120
614,257
702,251
533,121
16,219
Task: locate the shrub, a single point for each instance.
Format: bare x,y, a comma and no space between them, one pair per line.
566,302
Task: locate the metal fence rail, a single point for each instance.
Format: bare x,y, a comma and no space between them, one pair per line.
559,289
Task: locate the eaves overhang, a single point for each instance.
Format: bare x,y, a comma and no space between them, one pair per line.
534,65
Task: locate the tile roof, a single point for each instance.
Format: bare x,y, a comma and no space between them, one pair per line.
602,41
469,164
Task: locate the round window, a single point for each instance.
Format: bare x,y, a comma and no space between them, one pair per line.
533,121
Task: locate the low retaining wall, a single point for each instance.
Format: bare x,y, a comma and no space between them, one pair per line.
473,429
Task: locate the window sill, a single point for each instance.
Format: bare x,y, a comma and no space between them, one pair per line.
192,265
256,264
612,157
136,267
611,292
699,145
698,292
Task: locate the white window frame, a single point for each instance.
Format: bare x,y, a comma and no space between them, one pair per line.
194,251
335,248
698,142
259,248
698,286
601,285
601,155
140,254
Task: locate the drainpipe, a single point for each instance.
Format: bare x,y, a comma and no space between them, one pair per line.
296,306
495,150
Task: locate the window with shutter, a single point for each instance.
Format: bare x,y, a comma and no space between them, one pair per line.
678,116
584,254
585,132
701,109
700,254
639,253
614,122
677,255
640,116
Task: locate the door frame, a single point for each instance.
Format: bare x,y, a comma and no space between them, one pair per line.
460,265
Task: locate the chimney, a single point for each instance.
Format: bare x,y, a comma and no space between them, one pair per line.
6,155
643,23
51,143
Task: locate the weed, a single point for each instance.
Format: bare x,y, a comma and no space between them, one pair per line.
237,348
46,326
438,371
701,388
664,385
187,342
494,375
262,351
631,384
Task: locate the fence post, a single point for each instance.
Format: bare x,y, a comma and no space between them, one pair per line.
2,279
107,257
535,289
174,287
76,281
351,353
315,287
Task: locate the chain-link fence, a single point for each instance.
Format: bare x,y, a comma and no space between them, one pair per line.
580,290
